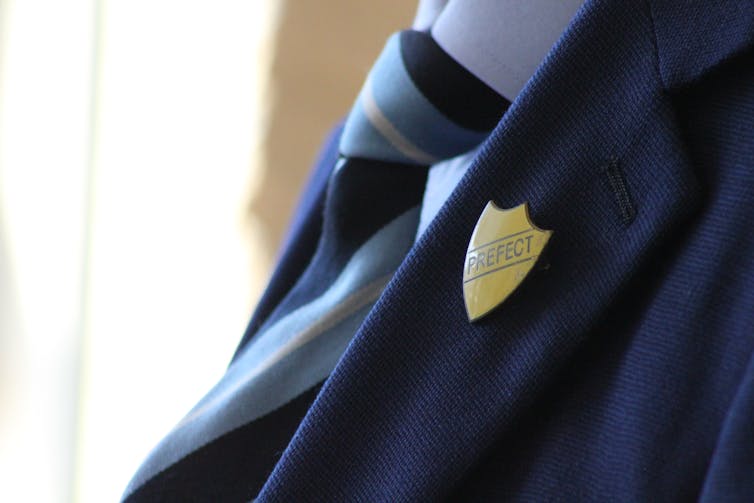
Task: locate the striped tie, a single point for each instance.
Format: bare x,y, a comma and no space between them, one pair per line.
417,107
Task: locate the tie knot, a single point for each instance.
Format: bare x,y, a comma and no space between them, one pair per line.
419,106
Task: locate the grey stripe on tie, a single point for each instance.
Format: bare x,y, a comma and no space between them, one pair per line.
388,131
360,298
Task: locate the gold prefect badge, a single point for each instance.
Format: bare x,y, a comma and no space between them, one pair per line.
503,249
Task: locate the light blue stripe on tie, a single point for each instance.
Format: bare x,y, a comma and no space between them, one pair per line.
293,354
409,111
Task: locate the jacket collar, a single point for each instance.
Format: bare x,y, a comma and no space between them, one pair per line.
692,38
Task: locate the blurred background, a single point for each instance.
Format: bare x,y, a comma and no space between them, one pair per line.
151,153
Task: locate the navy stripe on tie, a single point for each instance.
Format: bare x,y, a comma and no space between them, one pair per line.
233,467
450,87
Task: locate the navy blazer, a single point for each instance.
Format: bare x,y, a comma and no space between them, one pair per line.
624,370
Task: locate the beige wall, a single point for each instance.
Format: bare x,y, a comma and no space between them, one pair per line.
322,52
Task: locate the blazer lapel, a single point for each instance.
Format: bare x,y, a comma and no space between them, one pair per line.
421,393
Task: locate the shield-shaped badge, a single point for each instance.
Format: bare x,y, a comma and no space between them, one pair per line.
503,249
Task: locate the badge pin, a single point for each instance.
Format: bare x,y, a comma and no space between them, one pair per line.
503,249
